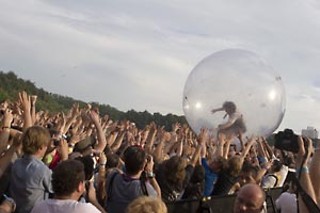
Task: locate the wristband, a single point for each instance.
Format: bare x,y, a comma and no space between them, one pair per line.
150,175
11,201
304,169
6,127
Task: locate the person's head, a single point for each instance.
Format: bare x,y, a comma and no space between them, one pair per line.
145,204
234,166
232,150
276,166
229,107
85,146
198,174
134,159
174,169
250,198
248,174
217,164
113,161
35,140
88,164
68,178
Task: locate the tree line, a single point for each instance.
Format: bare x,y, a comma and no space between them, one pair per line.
11,85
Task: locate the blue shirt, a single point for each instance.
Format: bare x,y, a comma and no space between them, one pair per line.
123,191
210,178
30,182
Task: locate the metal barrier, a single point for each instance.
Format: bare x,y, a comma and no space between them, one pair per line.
219,204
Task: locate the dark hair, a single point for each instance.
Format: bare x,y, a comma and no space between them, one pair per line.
67,176
88,164
276,166
248,168
198,174
229,106
113,161
134,159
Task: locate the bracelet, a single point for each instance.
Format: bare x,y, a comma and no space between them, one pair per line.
150,175
102,164
6,127
304,169
11,201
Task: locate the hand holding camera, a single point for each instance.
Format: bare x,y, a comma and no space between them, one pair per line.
149,166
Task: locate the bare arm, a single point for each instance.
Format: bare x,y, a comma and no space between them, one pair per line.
33,99
5,159
217,110
150,140
26,106
315,173
102,141
247,148
6,126
304,179
119,139
75,112
158,152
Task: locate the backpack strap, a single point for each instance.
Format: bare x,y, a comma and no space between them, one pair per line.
143,186
273,175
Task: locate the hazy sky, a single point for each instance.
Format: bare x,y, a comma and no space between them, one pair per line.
138,54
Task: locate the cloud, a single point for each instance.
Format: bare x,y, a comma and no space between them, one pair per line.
138,54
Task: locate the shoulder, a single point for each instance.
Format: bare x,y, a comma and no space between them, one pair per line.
86,207
40,206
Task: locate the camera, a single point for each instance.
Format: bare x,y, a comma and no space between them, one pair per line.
287,140
56,142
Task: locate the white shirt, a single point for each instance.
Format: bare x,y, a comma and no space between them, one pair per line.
287,203
62,206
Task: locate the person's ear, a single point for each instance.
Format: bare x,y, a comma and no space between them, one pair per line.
81,187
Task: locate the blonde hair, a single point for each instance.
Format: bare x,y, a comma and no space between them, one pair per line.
34,138
145,204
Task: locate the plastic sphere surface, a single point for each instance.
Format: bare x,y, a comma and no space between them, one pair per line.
238,76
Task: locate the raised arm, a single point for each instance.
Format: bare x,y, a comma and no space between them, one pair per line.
303,157
25,101
217,110
33,100
6,128
247,148
151,138
315,173
102,141
73,115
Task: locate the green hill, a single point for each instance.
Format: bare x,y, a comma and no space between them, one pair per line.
11,85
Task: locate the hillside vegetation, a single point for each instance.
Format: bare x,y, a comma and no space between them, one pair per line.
11,85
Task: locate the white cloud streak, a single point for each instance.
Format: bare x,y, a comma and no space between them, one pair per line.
138,54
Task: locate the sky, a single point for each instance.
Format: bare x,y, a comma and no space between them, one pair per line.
138,54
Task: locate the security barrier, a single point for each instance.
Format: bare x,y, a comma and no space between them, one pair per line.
219,204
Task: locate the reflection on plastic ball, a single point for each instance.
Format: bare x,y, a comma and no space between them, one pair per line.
239,76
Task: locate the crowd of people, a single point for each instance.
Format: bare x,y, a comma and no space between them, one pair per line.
81,161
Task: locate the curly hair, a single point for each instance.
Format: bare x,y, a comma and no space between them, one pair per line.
67,176
174,170
145,204
229,106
